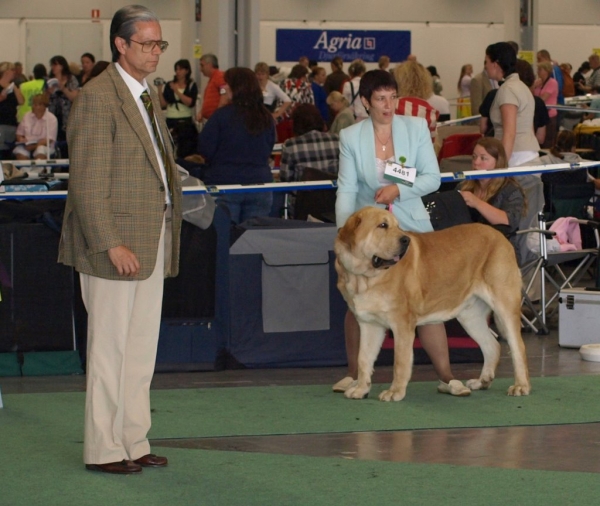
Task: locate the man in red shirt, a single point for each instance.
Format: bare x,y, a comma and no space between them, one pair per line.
215,92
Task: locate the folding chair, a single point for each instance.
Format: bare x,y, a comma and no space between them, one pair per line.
319,204
552,273
458,144
555,272
570,200
531,262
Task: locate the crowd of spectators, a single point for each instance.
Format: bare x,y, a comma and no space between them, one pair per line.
309,106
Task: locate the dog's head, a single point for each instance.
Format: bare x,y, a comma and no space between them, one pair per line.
371,240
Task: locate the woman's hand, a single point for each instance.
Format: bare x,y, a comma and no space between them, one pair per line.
470,199
173,86
387,194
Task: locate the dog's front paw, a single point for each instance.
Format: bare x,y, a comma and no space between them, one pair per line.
392,395
518,390
357,392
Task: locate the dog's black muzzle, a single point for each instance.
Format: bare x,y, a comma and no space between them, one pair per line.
382,263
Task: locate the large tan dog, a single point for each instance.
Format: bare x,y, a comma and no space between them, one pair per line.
392,279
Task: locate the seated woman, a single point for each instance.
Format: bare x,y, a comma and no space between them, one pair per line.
310,147
497,201
36,134
344,115
237,142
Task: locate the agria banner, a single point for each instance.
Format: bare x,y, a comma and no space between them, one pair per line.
324,45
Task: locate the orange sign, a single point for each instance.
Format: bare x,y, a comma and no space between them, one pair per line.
96,15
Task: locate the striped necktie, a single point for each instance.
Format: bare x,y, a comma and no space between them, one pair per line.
163,153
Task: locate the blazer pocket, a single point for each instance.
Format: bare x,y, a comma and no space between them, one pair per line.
127,226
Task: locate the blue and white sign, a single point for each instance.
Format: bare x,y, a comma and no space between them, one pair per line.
325,45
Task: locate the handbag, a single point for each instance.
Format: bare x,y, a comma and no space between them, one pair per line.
446,209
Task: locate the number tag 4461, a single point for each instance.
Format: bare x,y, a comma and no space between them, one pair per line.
398,174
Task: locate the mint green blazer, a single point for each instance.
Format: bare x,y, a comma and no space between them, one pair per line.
357,178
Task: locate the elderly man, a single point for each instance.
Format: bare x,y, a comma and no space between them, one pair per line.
121,233
592,83
215,94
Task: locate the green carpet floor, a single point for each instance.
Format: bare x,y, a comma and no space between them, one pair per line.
52,475
315,409
41,448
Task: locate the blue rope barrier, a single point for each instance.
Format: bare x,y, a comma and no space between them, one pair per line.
446,177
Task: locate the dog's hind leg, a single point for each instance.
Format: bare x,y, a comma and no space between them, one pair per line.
371,339
474,320
507,316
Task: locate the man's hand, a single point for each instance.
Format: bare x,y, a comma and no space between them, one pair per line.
387,194
124,260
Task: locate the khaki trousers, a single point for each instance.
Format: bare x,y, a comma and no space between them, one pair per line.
123,327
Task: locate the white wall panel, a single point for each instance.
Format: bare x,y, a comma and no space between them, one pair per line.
405,11
573,12
82,9
447,46
10,39
572,44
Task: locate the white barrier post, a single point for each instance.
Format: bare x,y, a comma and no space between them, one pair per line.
1,405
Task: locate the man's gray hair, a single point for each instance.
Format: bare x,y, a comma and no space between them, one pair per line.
210,58
123,24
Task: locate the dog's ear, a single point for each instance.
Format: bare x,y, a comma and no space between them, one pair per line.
346,233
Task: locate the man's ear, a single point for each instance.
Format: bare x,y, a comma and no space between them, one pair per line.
121,44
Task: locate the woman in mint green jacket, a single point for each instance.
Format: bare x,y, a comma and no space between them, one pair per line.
365,150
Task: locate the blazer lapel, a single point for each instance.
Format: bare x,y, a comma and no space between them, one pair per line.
134,117
367,153
401,145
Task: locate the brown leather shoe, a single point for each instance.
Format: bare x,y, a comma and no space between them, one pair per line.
152,460
123,467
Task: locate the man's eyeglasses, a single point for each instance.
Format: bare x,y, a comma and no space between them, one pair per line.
149,45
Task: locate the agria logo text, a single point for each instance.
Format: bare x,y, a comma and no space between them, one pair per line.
336,44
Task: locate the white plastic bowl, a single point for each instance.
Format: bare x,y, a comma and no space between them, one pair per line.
590,352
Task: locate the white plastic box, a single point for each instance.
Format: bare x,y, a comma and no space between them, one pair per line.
578,317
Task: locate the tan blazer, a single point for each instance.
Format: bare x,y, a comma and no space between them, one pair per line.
480,87
116,192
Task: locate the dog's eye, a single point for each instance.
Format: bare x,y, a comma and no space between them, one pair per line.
383,225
